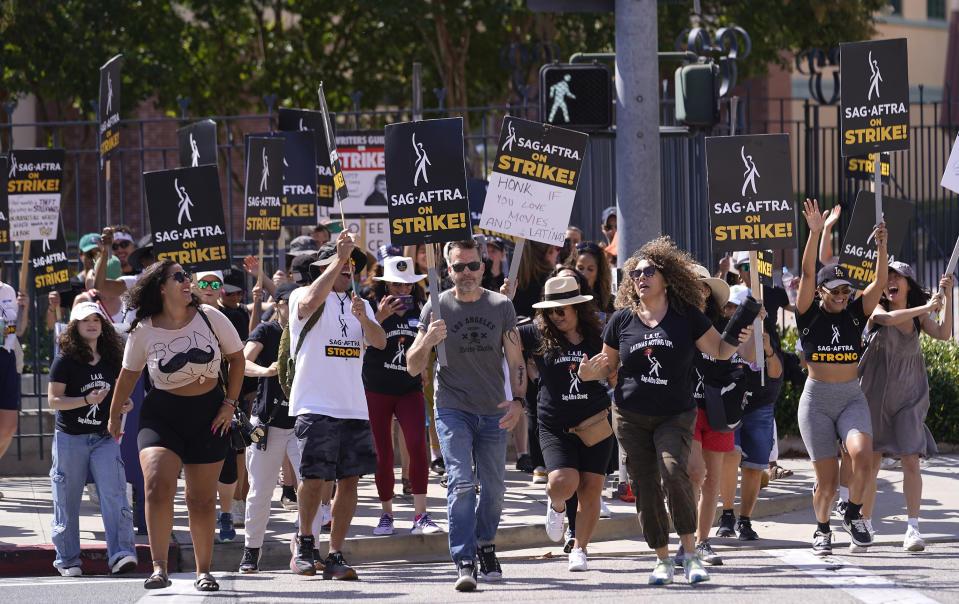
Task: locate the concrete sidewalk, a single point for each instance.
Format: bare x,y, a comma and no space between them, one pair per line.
26,511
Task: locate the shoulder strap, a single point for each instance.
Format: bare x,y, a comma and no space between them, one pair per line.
306,328
223,372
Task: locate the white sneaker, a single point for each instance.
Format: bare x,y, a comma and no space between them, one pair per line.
577,560
603,510
539,475
913,541
326,509
554,523
73,571
385,526
869,528
857,549
124,565
662,573
238,511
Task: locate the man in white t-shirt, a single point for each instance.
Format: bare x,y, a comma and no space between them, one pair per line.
328,400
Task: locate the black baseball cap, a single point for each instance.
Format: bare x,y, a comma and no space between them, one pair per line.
284,290
832,276
300,270
327,254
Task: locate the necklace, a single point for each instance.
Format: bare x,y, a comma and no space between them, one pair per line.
342,301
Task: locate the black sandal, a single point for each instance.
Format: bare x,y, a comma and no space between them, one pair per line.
158,580
206,582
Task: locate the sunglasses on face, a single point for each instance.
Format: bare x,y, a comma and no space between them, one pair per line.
121,245
649,271
842,290
744,267
559,311
179,276
214,285
608,227
473,266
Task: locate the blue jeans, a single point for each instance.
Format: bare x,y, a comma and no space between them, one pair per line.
73,456
465,439
755,437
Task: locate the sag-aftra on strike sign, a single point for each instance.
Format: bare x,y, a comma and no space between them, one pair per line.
875,96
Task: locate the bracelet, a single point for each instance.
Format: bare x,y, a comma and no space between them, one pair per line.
520,400
230,403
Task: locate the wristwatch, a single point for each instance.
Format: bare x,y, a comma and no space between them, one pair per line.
521,401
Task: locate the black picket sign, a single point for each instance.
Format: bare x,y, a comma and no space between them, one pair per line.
264,188
875,96
304,120
34,186
197,144
426,182
186,213
109,107
49,264
858,252
766,266
4,204
864,168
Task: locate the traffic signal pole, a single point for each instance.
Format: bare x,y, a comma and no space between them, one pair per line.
639,213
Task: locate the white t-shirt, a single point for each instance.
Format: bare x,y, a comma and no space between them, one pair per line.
329,367
8,314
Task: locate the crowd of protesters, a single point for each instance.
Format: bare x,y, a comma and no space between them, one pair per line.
589,366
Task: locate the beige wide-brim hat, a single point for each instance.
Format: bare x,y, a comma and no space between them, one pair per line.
561,291
399,269
719,287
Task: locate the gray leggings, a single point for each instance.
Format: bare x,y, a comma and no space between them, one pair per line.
829,413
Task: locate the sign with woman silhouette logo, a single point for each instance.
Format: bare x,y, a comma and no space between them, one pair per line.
426,182
304,120
875,96
34,186
4,207
197,144
751,200
264,188
109,118
49,265
858,252
187,217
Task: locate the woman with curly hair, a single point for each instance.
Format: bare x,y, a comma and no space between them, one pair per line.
185,417
656,335
81,376
590,261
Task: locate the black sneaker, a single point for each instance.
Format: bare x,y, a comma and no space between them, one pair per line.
707,555
250,561
489,563
302,561
466,576
858,531
318,562
438,466
680,556
839,511
336,567
822,543
570,537
727,525
745,529
524,463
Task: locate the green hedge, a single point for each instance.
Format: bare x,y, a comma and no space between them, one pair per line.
942,367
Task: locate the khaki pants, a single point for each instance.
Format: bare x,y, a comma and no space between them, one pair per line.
657,451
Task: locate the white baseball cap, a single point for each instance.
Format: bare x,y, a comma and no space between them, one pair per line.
84,309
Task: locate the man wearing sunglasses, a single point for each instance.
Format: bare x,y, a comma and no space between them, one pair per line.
478,329
122,246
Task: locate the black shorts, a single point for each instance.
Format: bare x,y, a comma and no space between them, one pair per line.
333,448
565,450
9,381
182,425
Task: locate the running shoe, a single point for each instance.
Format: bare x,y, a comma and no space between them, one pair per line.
539,475
238,512
839,511
524,463
327,510
727,525
570,537
857,530
250,561
466,576
822,543
913,542
577,560
438,466
662,573
694,569
554,523
424,525
869,528
680,556
335,567
70,571
489,563
707,555
302,561
225,524
603,510
123,565
744,527
385,526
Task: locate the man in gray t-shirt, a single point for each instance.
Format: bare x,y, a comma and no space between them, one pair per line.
478,328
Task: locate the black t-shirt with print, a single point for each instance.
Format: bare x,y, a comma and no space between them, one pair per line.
270,400
384,371
656,377
757,395
564,399
81,379
832,337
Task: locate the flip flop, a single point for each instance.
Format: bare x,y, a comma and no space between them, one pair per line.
206,582
158,580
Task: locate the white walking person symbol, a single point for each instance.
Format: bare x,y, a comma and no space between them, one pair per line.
92,413
699,383
573,380
558,92
654,366
265,173
46,246
835,334
302,127
194,152
13,166
751,172
875,78
400,355
508,145
109,93
185,202
421,162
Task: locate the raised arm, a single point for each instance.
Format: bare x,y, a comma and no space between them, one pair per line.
825,242
929,325
321,288
109,287
807,280
873,291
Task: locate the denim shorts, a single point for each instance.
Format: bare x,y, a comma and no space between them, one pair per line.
755,437
333,448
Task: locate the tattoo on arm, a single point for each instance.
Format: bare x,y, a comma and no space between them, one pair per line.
521,373
512,336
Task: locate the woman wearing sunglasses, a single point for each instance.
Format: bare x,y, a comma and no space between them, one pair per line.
185,417
589,260
568,331
893,377
656,335
832,402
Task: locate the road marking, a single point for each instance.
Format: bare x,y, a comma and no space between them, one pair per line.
183,591
859,583
33,582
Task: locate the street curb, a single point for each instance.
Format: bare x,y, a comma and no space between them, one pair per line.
37,560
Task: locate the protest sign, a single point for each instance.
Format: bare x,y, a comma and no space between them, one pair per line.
187,217
336,167
858,255
874,112
765,267
950,176
303,120
264,188
751,203
4,208
33,193
197,144
426,181
864,167
49,264
109,107
533,182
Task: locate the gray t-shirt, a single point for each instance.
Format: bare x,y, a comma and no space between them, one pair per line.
472,380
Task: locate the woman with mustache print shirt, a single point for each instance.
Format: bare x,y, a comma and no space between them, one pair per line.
185,417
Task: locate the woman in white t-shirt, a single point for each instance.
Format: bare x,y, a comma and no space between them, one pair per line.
185,417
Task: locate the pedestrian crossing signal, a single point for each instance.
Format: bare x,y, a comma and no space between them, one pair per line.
578,96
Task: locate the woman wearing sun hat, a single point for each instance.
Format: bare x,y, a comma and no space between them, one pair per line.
391,390
574,430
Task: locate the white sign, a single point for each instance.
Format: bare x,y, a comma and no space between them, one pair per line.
950,177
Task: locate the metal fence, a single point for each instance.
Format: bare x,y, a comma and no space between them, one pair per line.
817,172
